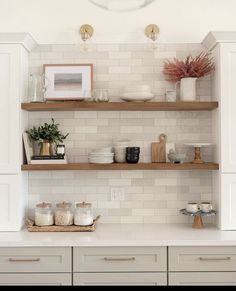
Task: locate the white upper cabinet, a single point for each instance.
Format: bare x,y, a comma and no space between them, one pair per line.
14,49
10,59
228,107
223,46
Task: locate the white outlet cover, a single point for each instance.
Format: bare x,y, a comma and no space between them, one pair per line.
117,194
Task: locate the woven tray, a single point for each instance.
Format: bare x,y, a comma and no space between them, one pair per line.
31,227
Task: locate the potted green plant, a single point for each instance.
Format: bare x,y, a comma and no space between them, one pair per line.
47,135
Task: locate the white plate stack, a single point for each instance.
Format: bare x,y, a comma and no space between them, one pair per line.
101,156
137,93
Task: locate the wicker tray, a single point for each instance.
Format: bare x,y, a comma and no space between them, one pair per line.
31,227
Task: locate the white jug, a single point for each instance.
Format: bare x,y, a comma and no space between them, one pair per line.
188,89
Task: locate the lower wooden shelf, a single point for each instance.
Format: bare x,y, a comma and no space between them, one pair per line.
113,167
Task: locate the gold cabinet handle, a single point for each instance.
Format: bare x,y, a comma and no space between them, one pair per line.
109,259
24,260
215,259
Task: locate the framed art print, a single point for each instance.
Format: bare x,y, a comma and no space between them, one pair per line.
68,82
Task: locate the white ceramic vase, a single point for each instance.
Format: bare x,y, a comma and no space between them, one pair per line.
188,89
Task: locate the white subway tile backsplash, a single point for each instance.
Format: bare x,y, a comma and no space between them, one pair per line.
150,196
143,212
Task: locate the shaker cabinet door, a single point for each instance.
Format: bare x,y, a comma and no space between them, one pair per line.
228,202
11,203
202,279
120,279
35,279
227,107
10,62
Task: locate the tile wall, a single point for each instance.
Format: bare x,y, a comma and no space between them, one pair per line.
150,196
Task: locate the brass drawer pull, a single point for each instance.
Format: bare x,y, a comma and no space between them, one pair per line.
215,259
24,261
119,259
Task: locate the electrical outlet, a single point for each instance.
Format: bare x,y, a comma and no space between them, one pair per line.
117,194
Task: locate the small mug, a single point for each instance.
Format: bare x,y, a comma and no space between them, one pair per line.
171,95
193,207
206,207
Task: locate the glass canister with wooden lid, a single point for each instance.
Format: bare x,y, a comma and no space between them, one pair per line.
64,214
83,214
44,214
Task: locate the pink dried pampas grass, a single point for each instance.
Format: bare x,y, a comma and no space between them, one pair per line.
200,66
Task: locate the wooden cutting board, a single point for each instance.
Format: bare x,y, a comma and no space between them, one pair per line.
159,150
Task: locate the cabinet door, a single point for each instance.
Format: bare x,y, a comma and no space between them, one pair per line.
199,259
10,63
228,106
35,279
11,203
202,279
116,279
35,260
228,202
120,259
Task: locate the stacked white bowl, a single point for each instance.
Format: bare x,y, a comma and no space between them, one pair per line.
137,93
102,156
120,150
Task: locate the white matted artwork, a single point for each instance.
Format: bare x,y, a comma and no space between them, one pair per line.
69,82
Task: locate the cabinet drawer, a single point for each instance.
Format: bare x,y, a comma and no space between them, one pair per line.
204,279
145,279
120,259
30,260
202,259
35,279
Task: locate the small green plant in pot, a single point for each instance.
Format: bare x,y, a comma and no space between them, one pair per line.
47,135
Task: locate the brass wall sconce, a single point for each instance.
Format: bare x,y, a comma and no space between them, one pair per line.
86,32
152,31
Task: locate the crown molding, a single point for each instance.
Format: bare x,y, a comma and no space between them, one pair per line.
215,37
23,38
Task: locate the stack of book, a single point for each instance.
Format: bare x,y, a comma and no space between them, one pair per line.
39,160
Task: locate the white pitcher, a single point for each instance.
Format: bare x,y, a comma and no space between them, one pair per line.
188,89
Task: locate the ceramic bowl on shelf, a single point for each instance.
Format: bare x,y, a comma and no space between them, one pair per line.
137,96
137,88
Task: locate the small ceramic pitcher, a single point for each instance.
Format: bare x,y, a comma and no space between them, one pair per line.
187,89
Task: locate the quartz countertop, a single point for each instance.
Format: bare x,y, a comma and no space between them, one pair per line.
124,235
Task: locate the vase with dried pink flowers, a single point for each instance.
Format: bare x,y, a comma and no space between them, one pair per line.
187,71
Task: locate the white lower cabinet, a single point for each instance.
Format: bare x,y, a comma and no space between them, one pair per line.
228,202
36,266
35,260
36,279
123,266
120,259
120,266
203,279
12,203
202,266
202,259
116,279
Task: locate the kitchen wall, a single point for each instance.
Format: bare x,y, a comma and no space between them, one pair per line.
59,21
150,196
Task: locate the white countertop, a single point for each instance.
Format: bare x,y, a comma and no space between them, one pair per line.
124,235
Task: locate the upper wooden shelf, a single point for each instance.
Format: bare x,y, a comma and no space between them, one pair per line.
117,167
120,106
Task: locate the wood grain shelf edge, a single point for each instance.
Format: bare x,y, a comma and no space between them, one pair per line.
120,106
115,167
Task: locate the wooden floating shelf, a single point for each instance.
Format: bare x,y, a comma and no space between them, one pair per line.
113,167
120,106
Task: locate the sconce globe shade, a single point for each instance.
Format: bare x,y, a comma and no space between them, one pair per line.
121,5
